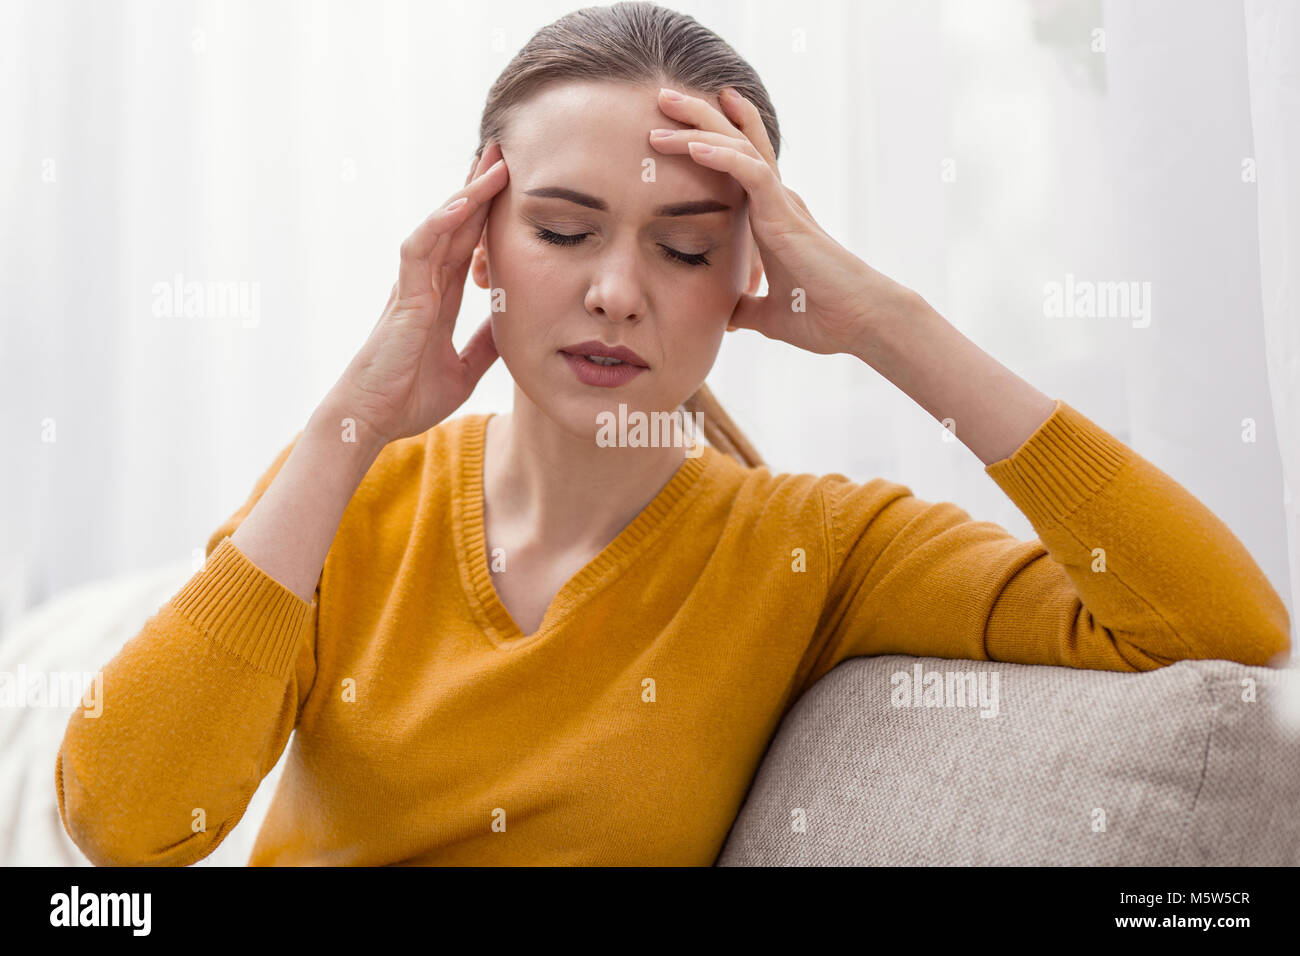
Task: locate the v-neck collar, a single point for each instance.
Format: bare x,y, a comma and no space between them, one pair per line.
471,539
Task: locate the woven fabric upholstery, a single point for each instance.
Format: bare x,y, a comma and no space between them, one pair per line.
1078,767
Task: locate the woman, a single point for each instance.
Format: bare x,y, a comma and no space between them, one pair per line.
500,640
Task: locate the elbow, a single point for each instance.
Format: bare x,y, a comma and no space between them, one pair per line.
1275,639
85,827
1262,640
1266,638
1266,642
114,836
88,826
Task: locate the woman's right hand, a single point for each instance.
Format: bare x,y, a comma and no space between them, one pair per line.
408,376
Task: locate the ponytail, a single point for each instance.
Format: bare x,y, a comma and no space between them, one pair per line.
720,431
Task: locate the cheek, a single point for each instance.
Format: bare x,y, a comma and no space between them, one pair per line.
697,335
713,298
526,265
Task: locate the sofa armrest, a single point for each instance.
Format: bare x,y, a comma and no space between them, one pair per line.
882,762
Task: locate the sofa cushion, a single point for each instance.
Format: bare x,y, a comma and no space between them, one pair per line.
1197,763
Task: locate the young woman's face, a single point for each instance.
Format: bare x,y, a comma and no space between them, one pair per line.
634,274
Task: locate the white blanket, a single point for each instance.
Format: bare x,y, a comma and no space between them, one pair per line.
79,632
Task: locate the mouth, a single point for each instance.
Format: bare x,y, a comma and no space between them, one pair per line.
603,366
597,353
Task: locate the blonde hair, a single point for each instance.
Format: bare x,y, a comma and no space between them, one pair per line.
720,431
642,43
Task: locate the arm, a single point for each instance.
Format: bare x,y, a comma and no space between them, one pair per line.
198,707
1129,572
994,410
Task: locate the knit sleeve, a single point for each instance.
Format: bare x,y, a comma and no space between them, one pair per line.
1129,572
194,711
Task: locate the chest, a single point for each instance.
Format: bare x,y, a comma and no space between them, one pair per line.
527,579
569,759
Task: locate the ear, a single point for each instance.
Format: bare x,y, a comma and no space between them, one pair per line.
478,259
755,275
478,266
755,271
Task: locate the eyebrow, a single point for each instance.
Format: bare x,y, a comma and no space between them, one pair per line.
694,207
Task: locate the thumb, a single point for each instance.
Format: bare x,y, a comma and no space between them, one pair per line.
479,353
754,312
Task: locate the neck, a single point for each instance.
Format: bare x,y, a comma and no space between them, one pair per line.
545,484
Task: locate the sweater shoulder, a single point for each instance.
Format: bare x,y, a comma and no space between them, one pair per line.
759,497
764,501
760,488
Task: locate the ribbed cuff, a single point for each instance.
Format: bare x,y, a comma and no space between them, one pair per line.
245,610
1066,461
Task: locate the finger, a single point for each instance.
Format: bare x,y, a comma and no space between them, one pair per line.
491,153
698,113
479,163
767,198
753,312
459,241
452,282
675,140
479,353
746,116
414,276
414,273
679,140
485,168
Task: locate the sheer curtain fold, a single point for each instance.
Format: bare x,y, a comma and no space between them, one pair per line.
1198,170
1273,56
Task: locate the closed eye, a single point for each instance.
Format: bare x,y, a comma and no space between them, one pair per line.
560,239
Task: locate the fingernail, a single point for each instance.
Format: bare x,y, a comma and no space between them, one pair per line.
670,94
657,133
702,148
452,206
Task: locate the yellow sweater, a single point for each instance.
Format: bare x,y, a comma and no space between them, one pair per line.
627,730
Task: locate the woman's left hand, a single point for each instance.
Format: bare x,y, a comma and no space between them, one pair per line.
841,296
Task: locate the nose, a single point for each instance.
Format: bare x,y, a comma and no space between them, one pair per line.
617,290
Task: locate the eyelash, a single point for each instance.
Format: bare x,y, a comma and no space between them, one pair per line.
560,239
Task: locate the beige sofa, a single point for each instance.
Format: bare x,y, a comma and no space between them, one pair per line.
1197,763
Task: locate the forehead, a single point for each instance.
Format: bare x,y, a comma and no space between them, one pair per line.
595,136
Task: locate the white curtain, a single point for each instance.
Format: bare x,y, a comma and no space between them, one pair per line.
1273,65
975,151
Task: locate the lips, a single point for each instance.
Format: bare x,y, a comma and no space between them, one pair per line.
620,352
